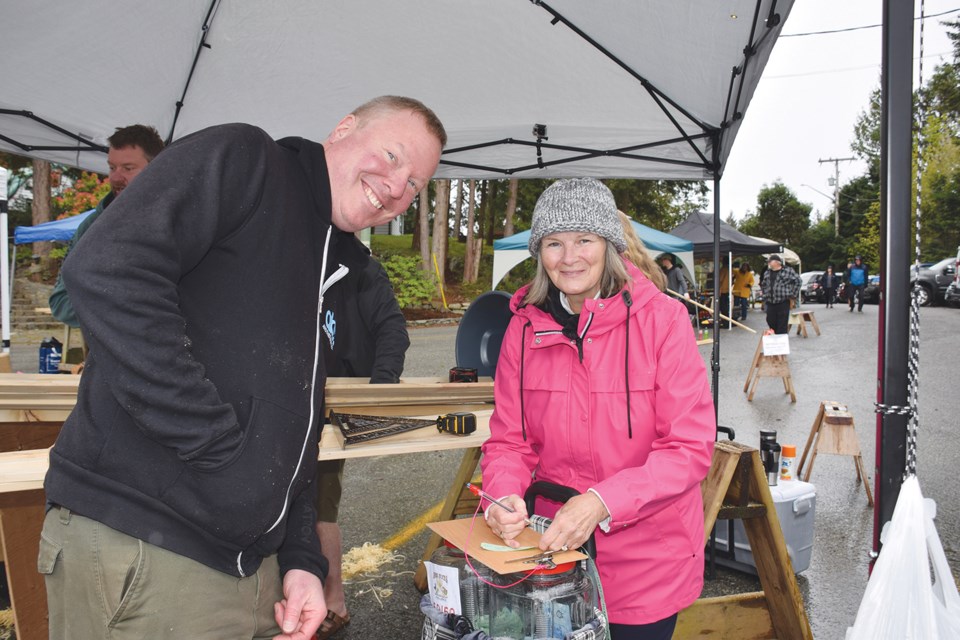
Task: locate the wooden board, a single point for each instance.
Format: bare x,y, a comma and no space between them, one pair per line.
743,616
23,470
18,436
350,392
21,519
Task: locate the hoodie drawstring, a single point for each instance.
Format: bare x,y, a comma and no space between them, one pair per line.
523,350
628,300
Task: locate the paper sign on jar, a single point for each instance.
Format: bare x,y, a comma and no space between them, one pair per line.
777,344
444,585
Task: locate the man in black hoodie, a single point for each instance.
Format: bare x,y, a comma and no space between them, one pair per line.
180,493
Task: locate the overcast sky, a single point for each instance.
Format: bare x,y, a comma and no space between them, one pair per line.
812,91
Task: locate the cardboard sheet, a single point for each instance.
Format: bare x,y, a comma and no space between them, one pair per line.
458,532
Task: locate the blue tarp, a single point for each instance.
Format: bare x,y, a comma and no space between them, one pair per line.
61,230
653,239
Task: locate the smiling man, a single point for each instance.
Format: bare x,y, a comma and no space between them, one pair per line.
180,494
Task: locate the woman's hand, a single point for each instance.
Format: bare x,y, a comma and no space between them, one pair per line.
574,523
505,524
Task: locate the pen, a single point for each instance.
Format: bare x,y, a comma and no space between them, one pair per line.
480,493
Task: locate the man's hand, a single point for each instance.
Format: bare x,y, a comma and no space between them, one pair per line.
302,609
574,523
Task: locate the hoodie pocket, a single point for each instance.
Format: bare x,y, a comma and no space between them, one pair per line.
238,502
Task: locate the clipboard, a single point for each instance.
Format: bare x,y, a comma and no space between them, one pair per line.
458,532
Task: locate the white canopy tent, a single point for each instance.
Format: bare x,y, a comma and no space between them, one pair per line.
789,256
615,88
525,88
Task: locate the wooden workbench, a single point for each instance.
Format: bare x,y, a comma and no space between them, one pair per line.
34,406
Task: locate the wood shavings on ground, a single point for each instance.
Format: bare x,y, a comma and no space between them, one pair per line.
366,560
6,624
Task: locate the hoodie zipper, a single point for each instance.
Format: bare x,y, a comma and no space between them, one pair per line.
313,381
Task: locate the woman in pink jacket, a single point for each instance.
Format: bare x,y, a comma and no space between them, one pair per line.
600,387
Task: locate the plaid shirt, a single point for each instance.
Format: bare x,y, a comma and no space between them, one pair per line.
787,285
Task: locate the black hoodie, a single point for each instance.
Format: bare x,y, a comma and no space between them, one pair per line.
196,423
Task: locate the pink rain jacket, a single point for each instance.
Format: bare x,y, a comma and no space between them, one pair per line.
651,561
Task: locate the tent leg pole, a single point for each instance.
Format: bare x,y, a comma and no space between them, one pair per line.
896,141
715,354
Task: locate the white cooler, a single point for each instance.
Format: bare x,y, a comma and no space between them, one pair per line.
796,503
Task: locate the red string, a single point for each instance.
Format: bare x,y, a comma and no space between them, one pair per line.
476,573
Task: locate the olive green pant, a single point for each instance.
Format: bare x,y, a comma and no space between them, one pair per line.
105,584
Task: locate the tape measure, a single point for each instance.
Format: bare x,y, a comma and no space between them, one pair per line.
460,424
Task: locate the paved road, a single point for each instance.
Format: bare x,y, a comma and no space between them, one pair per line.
382,496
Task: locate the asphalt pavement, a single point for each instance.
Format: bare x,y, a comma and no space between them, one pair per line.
385,499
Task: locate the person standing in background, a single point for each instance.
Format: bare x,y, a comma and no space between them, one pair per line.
131,150
742,289
364,336
856,278
781,288
722,285
829,282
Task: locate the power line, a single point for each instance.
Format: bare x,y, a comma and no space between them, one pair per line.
868,26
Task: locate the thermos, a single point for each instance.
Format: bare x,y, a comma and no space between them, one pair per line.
770,455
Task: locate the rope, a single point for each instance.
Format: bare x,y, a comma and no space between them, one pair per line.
913,361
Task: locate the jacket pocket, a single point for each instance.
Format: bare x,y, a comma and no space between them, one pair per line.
239,501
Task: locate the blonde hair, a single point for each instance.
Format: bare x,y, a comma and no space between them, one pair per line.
612,280
637,254
391,104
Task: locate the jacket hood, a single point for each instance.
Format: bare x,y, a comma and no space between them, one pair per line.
313,161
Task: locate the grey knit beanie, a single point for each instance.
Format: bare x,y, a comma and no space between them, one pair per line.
579,204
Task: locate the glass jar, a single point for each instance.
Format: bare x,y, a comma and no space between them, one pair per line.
473,591
549,603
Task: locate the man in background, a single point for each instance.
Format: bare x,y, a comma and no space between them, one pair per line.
131,150
781,288
364,336
856,278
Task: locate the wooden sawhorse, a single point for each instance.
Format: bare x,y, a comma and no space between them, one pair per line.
833,431
771,367
807,316
736,487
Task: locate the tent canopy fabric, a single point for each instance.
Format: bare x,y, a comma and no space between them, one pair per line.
789,256
607,88
510,251
698,229
652,239
56,230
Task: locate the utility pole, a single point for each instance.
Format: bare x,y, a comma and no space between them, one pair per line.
836,190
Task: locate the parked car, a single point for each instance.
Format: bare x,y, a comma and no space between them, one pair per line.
931,282
952,295
871,292
810,290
